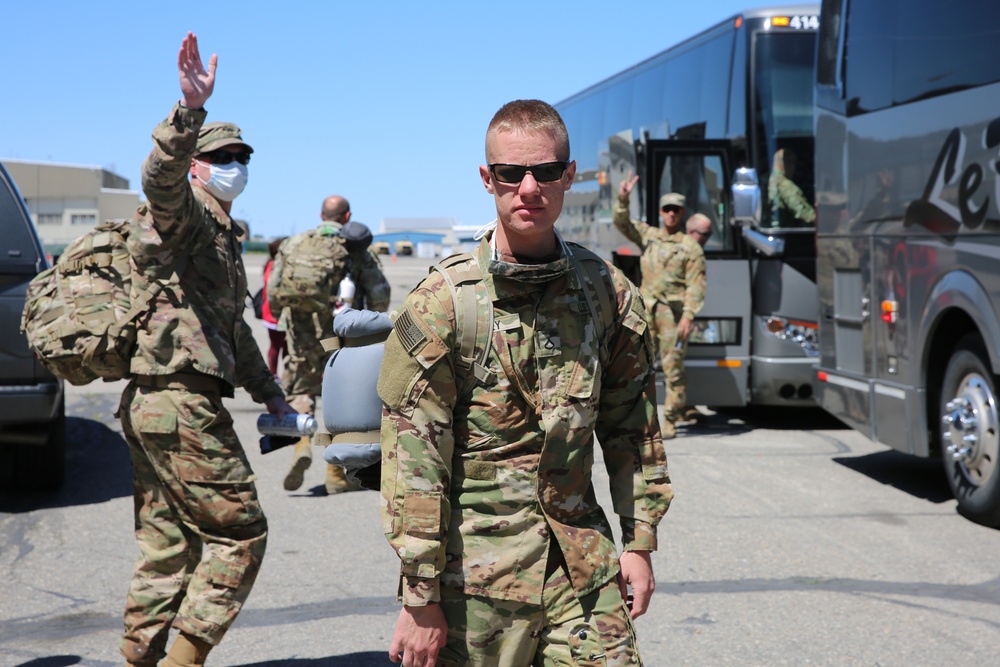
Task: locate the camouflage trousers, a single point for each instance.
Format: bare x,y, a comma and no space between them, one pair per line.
304,365
663,319
200,528
590,630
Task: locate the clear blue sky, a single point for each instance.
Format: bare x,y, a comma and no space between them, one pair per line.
383,102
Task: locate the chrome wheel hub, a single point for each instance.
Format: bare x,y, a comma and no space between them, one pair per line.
969,429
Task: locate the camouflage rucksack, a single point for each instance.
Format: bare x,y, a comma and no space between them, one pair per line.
307,272
78,317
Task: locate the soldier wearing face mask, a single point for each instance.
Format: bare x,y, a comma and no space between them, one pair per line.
199,525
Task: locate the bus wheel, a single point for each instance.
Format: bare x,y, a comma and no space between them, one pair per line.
970,432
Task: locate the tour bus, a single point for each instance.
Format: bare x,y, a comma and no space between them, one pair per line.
705,118
908,232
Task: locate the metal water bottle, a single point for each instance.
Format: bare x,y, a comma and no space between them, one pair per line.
284,431
294,425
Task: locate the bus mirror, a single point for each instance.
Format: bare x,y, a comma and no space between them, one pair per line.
766,244
746,197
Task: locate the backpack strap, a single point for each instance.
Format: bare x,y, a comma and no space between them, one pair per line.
336,342
461,273
595,272
141,303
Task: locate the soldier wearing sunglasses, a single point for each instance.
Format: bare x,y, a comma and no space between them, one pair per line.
673,287
506,557
198,521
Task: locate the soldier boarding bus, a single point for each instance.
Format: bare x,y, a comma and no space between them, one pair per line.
710,118
908,233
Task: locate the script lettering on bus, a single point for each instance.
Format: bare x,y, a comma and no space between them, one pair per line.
948,172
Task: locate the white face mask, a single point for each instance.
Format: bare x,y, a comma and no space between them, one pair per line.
225,181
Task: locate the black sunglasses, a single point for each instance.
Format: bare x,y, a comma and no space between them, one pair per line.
670,208
545,172
224,157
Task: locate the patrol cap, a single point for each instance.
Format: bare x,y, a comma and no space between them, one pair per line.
672,199
356,236
213,136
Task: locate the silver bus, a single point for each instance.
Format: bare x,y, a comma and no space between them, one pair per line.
705,118
908,232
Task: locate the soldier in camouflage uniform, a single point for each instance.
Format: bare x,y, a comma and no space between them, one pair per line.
306,328
487,498
789,207
673,288
200,527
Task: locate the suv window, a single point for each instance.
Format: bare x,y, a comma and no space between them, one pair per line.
18,252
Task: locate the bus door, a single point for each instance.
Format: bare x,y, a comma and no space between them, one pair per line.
718,353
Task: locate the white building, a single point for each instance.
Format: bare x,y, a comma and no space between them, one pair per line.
66,201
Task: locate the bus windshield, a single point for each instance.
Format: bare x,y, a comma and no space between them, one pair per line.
783,71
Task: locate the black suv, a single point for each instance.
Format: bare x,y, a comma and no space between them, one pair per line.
32,404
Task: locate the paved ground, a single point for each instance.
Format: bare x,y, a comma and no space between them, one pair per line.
793,541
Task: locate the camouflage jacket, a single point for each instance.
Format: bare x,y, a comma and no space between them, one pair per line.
476,488
788,204
672,265
196,321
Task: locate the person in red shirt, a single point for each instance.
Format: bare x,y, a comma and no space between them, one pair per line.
279,346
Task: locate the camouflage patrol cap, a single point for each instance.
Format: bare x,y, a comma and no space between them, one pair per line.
216,135
672,199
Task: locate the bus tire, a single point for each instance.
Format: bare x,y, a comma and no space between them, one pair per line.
969,428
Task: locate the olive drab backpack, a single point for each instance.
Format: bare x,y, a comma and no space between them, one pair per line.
301,278
79,318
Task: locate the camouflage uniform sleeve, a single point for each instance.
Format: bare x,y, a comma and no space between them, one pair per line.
694,279
793,199
631,229
373,283
251,370
628,426
165,172
417,387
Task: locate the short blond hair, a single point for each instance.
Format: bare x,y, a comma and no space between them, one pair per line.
530,115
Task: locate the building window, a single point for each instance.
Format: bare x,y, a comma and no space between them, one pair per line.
50,218
84,219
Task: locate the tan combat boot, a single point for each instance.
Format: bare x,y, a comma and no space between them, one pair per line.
187,651
336,482
301,461
667,429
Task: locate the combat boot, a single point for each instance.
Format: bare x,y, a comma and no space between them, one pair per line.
667,429
694,416
187,651
302,459
336,482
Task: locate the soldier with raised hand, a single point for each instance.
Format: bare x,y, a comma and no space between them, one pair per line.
487,491
200,528
303,287
673,288
789,206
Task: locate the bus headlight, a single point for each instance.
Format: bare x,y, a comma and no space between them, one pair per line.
803,334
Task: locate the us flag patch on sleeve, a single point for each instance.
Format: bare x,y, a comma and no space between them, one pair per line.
410,335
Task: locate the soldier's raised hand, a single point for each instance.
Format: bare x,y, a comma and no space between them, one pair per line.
626,186
197,84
